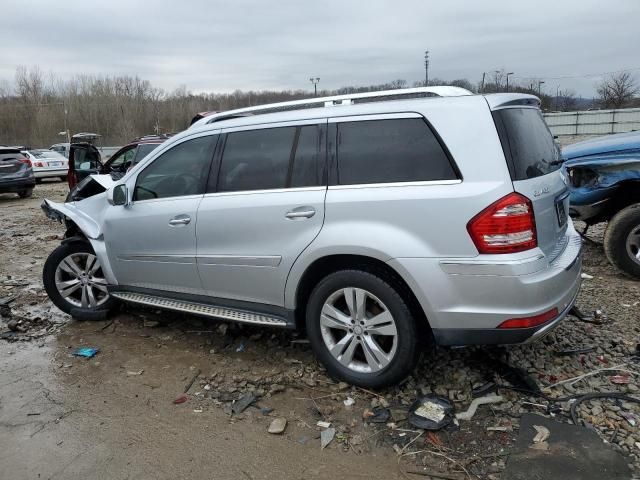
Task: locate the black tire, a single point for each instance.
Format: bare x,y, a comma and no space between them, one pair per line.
38,181
407,353
49,280
615,240
25,193
63,178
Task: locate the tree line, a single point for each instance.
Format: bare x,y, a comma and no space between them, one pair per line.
37,108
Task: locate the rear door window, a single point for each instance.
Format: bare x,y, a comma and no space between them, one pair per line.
390,150
527,143
272,158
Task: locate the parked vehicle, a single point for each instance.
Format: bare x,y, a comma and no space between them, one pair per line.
604,178
376,226
85,158
16,173
61,148
47,164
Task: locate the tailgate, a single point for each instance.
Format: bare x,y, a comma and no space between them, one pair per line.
534,164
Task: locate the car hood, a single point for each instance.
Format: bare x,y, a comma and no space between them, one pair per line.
621,142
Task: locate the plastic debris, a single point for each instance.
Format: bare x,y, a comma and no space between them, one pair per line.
86,352
326,436
629,417
243,403
197,410
135,373
241,347
471,411
322,424
430,412
278,425
181,399
586,276
377,415
540,439
619,379
349,402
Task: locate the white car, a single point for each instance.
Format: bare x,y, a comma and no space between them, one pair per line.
48,164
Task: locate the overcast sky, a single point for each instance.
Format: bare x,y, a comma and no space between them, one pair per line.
261,44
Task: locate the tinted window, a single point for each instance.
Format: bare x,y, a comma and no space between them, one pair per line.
380,151
123,159
308,166
182,170
527,143
143,150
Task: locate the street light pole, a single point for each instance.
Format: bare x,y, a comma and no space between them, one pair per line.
426,68
540,82
510,73
315,81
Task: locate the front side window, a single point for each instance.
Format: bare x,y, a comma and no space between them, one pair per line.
394,150
272,158
123,159
181,170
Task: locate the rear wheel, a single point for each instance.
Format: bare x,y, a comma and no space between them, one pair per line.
38,181
25,193
63,178
361,329
622,240
75,283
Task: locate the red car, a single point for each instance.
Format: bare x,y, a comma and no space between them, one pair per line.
85,159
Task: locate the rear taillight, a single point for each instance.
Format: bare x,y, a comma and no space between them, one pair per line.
528,322
26,161
38,164
506,226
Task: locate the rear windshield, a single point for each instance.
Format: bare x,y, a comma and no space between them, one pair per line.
527,143
4,156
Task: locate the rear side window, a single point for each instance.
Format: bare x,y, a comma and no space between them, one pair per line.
272,158
143,150
394,150
527,143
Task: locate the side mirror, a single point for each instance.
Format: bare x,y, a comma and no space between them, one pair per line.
118,195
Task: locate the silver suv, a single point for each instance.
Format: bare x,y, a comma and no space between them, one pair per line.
379,223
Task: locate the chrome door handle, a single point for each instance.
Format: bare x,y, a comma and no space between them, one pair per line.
179,220
301,212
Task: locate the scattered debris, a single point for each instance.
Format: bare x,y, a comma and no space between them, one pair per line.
277,425
86,352
150,323
181,399
326,437
377,415
322,424
574,351
586,276
135,373
198,410
619,379
243,403
430,412
349,402
241,347
471,411
542,433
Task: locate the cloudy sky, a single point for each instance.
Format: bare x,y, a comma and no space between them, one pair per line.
267,44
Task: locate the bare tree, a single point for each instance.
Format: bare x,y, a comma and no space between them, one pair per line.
617,90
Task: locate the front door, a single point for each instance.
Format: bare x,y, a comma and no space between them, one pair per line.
152,242
265,206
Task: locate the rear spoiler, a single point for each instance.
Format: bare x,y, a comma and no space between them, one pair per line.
497,101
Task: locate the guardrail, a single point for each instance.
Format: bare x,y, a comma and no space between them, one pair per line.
594,122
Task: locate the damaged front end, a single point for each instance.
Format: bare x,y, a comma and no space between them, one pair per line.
598,183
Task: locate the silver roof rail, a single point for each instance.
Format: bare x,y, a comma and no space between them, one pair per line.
348,99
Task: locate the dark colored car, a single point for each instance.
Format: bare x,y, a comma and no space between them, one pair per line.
604,178
85,159
16,172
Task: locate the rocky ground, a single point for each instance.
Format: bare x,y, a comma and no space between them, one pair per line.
245,378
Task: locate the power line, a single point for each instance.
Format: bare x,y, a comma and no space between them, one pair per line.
587,75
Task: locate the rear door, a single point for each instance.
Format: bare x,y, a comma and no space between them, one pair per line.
265,206
534,163
13,165
84,160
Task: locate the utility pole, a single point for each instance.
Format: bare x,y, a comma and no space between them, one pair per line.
426,68
315,81
482,85
510,73
540,82
497,72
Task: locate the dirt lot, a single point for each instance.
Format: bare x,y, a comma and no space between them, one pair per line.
113,416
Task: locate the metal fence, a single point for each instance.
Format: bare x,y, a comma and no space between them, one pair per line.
594,122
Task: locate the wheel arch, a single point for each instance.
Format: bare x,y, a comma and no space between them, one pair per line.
325,265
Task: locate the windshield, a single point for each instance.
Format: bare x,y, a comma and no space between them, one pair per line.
527,143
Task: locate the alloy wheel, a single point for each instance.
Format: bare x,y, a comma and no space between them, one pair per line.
80,281
633,244
358,330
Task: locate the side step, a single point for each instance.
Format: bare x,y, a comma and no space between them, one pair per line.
223,313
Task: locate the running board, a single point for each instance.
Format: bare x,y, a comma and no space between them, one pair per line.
222,313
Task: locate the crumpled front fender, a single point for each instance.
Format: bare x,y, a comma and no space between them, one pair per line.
62,211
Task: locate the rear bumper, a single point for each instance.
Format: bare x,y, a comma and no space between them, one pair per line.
16,185
467,299
50,172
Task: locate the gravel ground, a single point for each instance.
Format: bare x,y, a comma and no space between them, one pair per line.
236,363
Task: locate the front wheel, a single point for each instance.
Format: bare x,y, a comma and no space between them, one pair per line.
622,240
361,329
25,193
75,283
